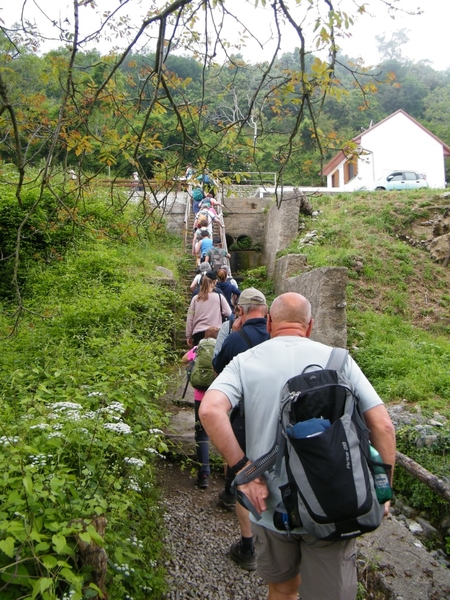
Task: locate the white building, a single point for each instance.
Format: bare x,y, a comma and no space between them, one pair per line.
396,143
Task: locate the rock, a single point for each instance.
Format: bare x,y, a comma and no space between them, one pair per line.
440,248
426,441
414,527
430,440
166,272
445,522
412,574
429,530
436,423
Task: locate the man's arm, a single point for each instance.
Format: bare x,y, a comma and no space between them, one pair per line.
382,432
213,414
382,437
220,360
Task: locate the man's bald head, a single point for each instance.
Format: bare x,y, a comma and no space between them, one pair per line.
291,311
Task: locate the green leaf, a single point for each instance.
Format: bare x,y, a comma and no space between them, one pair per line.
62,563
34,535
42,547
59,541
95,535
85,537
56,483
41,585
49,562
28,484
7,545
17,575
70,576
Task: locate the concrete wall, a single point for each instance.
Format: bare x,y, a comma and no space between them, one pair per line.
242,216
281,228
246,216
325,288
174,206
288,266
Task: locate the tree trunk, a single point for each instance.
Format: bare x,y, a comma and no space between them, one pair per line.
433,482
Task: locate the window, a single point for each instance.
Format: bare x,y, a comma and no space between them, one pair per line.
395,177
335,179
350,169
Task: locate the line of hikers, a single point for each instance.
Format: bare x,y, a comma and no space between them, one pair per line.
309,498
241,356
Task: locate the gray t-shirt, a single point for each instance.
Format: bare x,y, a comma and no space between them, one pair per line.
257,377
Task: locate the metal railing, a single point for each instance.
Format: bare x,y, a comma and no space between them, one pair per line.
251,177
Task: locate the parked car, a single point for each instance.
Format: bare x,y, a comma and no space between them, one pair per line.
402,180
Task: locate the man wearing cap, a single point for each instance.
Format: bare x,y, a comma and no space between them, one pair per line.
249,330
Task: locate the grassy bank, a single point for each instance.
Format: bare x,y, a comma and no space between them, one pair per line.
87,338
398,313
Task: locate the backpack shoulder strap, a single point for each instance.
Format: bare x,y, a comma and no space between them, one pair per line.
246,337
337,359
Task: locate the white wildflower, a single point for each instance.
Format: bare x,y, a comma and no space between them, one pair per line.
116,407
133,485
6,440
154,451
90,414
136,462
60,406
118,427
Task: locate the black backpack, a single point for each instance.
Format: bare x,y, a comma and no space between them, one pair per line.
324,441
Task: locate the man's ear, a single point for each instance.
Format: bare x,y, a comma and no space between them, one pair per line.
310,326
269,323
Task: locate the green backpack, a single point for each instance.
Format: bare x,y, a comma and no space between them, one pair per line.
197,194
202,374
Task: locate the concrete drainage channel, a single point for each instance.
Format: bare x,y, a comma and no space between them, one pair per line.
392,562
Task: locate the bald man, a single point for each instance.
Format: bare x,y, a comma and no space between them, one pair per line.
323,570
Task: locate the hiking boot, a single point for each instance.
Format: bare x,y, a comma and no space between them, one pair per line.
244,558
203,481
227,500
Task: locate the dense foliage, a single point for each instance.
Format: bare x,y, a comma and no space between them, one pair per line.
117,113
81,379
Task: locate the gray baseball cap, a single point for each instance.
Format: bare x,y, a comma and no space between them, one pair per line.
251,297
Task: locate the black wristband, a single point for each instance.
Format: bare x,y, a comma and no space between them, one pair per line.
239,465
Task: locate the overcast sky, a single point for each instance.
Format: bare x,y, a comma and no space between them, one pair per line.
427,32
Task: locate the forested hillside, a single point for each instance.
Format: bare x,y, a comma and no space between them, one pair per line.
233,117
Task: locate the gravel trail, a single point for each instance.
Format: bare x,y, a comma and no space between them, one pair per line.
199,534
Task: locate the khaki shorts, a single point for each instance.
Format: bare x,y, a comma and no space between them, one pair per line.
327,569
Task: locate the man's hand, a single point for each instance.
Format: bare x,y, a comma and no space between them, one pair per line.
257,492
